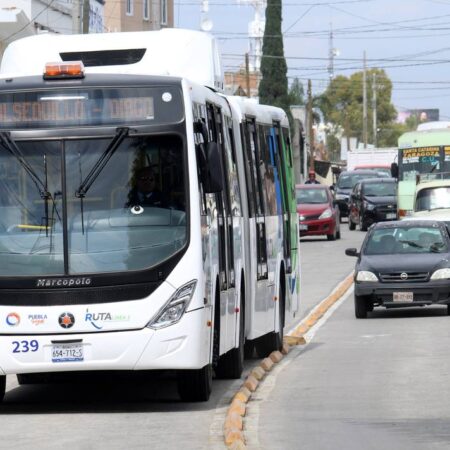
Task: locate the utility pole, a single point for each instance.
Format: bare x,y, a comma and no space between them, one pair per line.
86,7
364,103
374,108
76,16
247,74
310,130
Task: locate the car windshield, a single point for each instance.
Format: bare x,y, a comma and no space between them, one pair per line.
348,180
404,240
127,215
311,196
433,198
379,189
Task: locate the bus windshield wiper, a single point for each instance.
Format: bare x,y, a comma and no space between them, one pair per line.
121,134
85,185
7,142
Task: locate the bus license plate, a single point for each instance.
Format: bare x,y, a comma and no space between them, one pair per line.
404,297
67,352
302,227
391,216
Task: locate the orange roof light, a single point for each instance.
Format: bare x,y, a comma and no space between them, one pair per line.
62,70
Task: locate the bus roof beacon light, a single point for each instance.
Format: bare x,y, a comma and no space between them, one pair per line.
63,70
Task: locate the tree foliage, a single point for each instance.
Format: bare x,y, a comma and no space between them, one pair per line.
342,104
296,93
273,88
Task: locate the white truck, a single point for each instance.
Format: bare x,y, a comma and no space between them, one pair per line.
374,158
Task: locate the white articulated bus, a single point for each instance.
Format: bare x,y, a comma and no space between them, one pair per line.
145,221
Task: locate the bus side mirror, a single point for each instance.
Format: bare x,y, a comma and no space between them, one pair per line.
200,127
394,170
213,172
210,164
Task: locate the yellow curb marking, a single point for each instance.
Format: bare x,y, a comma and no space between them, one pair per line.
233,426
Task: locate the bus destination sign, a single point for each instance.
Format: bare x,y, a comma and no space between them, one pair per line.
75,110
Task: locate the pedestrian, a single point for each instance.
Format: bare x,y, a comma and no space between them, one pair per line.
312,178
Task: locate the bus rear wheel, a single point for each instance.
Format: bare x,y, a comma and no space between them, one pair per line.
195,385
2,387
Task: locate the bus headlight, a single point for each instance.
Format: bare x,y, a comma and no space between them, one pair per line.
174,309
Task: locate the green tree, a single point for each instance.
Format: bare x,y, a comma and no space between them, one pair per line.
296,93
273,88
342,104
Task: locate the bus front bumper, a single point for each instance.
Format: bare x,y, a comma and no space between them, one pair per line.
184,345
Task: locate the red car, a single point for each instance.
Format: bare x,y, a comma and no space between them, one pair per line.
319,215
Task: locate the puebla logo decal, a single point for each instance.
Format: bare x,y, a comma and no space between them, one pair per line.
66,320
13,319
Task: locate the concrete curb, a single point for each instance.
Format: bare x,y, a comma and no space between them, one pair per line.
233,429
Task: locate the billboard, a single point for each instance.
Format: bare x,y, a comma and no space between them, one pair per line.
421,115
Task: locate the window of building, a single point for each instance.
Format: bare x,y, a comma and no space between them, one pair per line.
163,12
129,7
146,11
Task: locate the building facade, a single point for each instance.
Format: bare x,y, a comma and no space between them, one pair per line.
138,15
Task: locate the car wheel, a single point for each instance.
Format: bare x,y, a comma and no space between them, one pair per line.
448,310
360,307
362,224
351,225
332,237
338,232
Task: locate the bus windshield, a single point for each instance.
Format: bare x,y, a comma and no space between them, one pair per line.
132,216
433,198
416,161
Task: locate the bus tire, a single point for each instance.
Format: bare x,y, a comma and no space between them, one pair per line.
195,385
2,387
272,341
231,364
24,378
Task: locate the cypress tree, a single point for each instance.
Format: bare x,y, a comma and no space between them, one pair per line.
273,88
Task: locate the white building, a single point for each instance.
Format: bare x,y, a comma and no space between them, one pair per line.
21,18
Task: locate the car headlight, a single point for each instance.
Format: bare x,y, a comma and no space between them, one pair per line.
174,309
342,197
302,218
326,214
369,206
441,274
364,275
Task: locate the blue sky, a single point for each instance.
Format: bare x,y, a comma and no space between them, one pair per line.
409,39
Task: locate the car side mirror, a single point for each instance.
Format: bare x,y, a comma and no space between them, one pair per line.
351,252
332,187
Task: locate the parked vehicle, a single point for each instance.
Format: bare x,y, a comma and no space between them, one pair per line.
372,200
402,264
346,183
319,214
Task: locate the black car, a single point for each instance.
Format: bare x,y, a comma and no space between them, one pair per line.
402,263
373,200
347,181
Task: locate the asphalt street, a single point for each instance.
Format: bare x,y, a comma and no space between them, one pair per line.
378,383
139,413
